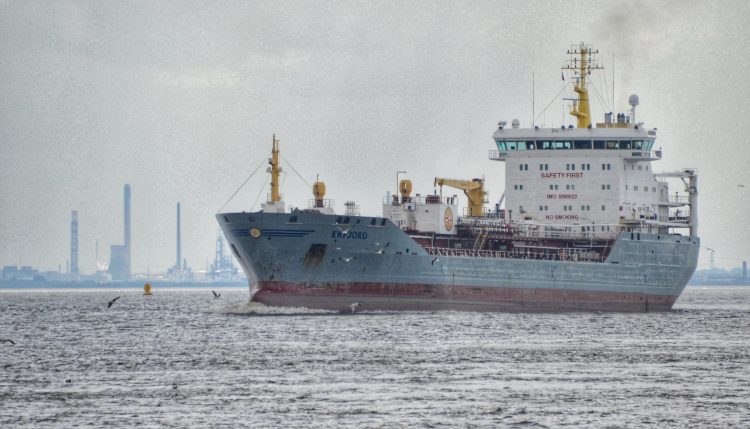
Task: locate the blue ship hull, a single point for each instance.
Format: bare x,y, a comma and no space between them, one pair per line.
311,260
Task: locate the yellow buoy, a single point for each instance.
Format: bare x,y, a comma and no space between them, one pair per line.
147,289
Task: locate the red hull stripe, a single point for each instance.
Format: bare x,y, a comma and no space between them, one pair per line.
387,297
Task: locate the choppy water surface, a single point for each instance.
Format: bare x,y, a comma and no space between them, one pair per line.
181,358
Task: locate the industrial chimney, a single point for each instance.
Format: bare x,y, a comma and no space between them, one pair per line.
74,243
178,261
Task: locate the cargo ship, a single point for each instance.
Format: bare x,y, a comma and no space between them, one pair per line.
584,224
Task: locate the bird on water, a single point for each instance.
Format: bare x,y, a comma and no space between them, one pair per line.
112,302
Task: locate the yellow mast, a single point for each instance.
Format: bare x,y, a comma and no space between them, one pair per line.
581,60
275,196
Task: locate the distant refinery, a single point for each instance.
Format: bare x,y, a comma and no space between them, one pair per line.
119,268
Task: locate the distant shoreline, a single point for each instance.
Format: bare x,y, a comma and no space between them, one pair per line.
36,284
734,282
157,284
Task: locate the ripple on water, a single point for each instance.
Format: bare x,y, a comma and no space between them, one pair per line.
183,358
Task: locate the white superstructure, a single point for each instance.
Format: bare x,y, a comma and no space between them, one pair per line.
592,178
571,175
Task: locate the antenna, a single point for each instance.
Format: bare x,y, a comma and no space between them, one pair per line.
613,81
633,101
533,98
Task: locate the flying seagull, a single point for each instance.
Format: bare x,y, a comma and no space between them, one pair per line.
740,186
216,295
382,249
435,259
349,258
5,340
356,306
112,302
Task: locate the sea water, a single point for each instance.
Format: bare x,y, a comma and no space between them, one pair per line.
181,358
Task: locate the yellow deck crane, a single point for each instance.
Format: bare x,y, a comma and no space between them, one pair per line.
473,189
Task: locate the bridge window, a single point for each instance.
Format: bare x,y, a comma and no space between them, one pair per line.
638,144
582,144
512,145
625,145
612,145
546,145
502,146
599,144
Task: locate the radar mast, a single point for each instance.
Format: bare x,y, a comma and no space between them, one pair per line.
581,60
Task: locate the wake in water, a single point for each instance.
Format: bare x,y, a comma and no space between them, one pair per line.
258,309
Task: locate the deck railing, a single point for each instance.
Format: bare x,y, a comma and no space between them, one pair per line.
571,255
583,231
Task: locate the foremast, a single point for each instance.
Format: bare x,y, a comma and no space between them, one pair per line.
275,203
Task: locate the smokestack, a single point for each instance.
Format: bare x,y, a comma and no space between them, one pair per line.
74,243
119,255
179,247
127,216
127,230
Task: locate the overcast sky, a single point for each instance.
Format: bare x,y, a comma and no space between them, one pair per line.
180,100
